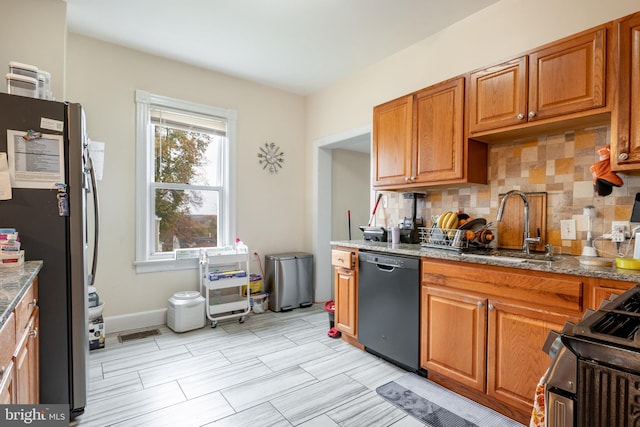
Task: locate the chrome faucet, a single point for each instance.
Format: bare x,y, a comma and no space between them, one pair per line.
526,237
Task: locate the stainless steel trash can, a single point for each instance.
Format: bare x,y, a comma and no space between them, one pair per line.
289,280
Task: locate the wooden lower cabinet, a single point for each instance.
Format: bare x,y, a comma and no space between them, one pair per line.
19,352
515,360
7,376
345,292
453,336
483,328
26,363
346,299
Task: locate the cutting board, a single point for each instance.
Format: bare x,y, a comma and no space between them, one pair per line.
512,225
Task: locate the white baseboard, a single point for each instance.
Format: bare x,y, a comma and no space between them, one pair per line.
128,322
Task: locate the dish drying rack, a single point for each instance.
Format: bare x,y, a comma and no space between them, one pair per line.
456,239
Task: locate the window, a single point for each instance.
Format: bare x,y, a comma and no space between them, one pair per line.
185,191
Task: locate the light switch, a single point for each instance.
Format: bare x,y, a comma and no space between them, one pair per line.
568,229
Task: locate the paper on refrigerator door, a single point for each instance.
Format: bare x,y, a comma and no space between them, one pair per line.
96,151
5,178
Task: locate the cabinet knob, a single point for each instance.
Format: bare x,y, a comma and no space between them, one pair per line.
491,307
33,333
623,156
480,304
532,114
406,178
413,178
34,302
520,116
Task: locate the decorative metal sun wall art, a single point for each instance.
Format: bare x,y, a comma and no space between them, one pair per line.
271,158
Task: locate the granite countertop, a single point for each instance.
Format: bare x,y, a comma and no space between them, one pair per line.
13,284
567,264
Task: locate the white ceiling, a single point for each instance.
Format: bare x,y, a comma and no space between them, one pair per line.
296,45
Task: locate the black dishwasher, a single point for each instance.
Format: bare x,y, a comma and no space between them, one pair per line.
389,307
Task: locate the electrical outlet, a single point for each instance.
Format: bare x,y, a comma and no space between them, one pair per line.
568,229
621,227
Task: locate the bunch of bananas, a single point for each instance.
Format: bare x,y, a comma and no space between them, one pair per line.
448,221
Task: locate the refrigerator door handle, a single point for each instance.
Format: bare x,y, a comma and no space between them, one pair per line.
96,228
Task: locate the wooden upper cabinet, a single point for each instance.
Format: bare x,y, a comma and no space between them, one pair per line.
625,126
439,136
392,141
499,95
419,140
568,76
560,79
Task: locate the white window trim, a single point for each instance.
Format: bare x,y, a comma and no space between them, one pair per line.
144,178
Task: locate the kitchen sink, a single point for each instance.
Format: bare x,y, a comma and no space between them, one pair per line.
514,256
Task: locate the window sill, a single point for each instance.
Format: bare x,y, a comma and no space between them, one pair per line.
165,265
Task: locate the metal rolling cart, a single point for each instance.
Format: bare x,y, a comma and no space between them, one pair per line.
223,273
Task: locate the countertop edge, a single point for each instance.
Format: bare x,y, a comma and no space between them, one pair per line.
24,275
568,265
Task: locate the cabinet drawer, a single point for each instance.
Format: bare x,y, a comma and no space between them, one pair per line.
344,259
25,308
7,341
547,291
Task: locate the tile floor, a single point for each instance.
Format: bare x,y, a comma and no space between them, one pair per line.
275,369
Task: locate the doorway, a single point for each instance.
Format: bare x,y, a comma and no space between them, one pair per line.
358,140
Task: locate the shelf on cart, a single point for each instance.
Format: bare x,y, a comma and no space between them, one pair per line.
226,283
226,303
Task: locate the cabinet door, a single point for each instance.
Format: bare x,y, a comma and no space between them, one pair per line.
515,360
7,346
392,142
453,336
26,364
439,139
346,301
568,76
498,95
625,143
7,384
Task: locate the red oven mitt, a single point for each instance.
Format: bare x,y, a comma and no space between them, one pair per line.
603,178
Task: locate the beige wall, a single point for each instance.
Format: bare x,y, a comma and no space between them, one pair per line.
34,32
103,78
351,188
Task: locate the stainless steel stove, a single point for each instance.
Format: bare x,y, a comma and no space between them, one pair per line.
594,379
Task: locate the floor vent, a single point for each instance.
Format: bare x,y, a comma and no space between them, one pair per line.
138,335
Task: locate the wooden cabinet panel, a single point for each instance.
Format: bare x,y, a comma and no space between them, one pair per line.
7,346
457,350
346,300
392,141
26,364
556,292
25,308
19,352
439,139
568,76
499,95
625,129
565,80
515,360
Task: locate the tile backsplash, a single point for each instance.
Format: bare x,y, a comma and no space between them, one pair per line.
557,164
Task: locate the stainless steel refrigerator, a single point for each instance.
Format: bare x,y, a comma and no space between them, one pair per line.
53,189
